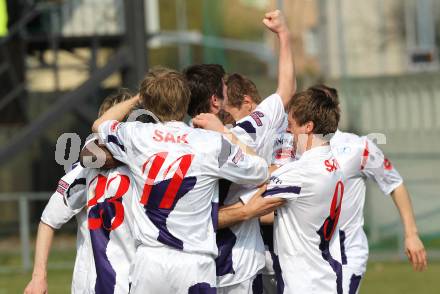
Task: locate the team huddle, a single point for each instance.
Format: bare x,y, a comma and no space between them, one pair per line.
273,203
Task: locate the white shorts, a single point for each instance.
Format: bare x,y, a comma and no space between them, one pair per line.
167,270
351,279
253,285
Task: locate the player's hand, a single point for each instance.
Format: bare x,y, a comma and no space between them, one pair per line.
416,253
209,121
38,285
275,22
259,206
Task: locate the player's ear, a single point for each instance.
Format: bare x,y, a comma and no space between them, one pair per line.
247,103
215,104
310,126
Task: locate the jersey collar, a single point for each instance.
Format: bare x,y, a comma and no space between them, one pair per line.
316,151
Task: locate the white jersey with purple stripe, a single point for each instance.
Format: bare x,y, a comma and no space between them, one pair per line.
176,169
241,246
107,197
283,152
57,212
306,237
359,159
283,148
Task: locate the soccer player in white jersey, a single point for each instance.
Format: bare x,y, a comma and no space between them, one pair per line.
107,197
241,99
305,229
56,213
360,159
176,167
241,248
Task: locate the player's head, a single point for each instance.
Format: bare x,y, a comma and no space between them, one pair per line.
240,97
113,99
314,111
206,85
140,114
165,93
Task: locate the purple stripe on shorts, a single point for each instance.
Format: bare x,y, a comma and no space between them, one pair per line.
202,288
278,273
354,284
342,242
225,242
257,285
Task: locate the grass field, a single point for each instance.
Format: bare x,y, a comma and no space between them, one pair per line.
381,277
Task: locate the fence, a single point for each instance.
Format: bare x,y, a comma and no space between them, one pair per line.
406,109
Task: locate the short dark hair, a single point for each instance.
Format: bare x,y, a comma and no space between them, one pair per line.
204,81
319,104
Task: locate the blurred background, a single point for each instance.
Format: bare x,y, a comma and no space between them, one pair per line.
59,59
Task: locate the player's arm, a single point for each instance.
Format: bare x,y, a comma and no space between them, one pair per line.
95,153
276,22
38,284
117,112
414,248
209,121
267,219
378,168
257,206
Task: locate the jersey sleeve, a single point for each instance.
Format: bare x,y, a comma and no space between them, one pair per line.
377,167
255,128
285,183
235,165
117,138
59,210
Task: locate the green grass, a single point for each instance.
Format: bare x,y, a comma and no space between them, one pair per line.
58,280
399,278
381,277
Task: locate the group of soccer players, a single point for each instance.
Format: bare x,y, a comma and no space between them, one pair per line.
271,204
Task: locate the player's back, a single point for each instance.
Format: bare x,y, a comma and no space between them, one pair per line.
350,151
359,159
107,253
176,169
306,235
110,221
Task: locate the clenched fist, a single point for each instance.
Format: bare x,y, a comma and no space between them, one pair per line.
275,22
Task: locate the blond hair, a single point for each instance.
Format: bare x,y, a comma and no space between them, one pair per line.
113,99
166,93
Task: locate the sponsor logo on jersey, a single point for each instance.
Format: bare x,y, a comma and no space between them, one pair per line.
238,156
256,116
168,137
276,180
62,187
284,153
331,165
387,164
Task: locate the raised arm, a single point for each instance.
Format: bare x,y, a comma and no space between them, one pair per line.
117,112
275,22
38,284
414,248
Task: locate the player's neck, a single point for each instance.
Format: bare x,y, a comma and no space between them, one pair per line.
312,141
